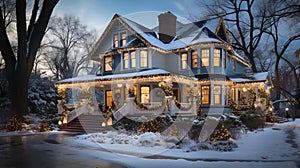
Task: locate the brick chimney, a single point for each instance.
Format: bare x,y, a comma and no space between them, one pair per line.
167,27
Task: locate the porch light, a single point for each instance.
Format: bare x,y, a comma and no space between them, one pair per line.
244,89
286,109
59,122
103,124
119,85
270,108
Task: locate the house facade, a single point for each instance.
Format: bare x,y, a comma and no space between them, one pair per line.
173,66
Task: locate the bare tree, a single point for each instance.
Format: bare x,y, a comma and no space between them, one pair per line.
244,26
19,65
71,43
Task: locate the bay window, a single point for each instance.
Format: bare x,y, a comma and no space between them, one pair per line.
217,94
194,59
217,57
143,59
205,58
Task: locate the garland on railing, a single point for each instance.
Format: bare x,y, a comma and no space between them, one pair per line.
246,107
141,106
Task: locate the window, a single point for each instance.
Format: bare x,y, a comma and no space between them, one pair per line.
143,59
145,94
184,60
123,39
205,57
108,98
234,66
194,59
132,59
217,94
125,60
108,63
115,41
205,92
217,57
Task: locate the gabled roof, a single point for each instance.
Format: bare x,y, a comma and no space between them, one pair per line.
187,34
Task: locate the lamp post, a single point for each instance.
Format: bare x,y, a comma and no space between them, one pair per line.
287,113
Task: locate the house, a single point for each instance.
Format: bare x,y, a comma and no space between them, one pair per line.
175,67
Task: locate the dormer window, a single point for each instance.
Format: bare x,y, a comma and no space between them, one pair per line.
119,39
115,41
123,39
184,59
194,59
107,63
205,57
217,57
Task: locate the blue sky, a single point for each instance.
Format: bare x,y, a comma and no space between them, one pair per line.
97,13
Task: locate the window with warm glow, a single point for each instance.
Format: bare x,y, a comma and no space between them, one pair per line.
205,92
184,58
144,59
108,98
132,59
125,60
115,41
108,63
145,94
217,94
123,39
205,57
217,57
194,59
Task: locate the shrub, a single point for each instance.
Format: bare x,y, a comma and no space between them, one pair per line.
151,126
14,124
253,121
44,126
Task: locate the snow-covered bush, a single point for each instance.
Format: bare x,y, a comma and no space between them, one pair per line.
151,126
253,121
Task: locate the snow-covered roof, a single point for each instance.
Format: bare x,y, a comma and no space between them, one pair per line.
152,72
183,39
256,77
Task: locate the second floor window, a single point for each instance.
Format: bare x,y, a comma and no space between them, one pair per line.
108,63
125,60
194,59
143,59
132,59
217,57
205,57
184,59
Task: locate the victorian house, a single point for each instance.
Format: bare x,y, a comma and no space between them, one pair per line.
191,65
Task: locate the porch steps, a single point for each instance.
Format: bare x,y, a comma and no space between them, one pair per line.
86,123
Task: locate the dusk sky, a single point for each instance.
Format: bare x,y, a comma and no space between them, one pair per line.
97,13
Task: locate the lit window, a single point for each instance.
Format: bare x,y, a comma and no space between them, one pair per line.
144,59
183,60
123,39
125,60
205,57
217,57
132,59
145,94
205,92
107,63
194,59
108,98
116,41
217,94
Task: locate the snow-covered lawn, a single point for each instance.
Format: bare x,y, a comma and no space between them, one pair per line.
275,146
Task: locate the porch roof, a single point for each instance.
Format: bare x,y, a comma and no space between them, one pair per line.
89,78
256,77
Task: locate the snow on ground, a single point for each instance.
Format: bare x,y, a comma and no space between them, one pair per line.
275,146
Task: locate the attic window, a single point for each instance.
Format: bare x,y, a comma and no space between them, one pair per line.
123,39
115,41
